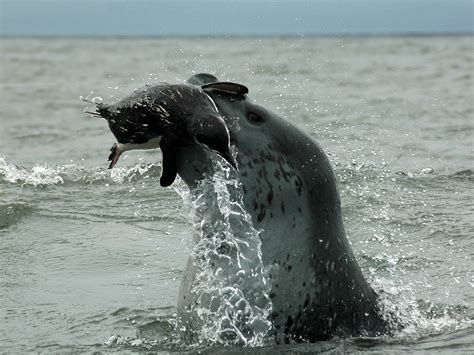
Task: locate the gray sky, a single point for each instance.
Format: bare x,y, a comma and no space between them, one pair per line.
240,17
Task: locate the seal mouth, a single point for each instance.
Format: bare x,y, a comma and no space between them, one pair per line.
230,159
114,155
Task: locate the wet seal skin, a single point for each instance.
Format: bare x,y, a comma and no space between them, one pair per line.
290,191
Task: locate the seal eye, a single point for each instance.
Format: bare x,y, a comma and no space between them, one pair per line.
254,117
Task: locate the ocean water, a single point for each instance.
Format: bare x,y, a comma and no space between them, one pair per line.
91,258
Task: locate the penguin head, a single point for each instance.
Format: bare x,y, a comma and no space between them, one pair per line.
129,124
209,130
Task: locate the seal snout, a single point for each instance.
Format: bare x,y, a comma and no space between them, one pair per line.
210,131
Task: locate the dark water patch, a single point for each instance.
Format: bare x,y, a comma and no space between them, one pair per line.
90,321
11,214
141,317
149,223
93,215
41,137
468,173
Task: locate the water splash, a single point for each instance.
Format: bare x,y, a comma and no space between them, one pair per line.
117,341
43,175
38,175
231,285
416,318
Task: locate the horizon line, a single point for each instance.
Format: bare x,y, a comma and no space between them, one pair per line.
236,35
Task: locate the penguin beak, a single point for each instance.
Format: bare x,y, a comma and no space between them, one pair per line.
114,155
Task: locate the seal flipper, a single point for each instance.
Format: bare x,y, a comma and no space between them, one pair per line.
169,165
226,86
202,79
209,81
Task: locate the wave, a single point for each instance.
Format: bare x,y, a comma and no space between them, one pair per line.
44,174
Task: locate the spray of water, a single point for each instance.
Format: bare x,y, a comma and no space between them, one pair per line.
231,285
44,174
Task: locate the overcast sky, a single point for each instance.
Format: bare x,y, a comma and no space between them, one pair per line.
238,17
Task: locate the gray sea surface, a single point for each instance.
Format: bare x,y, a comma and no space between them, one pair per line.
91,258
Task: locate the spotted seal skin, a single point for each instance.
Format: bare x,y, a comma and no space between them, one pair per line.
290,191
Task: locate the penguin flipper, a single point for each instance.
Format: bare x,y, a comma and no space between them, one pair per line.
169,165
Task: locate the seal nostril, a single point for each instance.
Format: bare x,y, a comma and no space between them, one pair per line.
254,117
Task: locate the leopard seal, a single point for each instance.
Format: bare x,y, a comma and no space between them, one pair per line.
289,189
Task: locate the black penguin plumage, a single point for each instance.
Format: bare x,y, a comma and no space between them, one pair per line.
155,110
166,116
